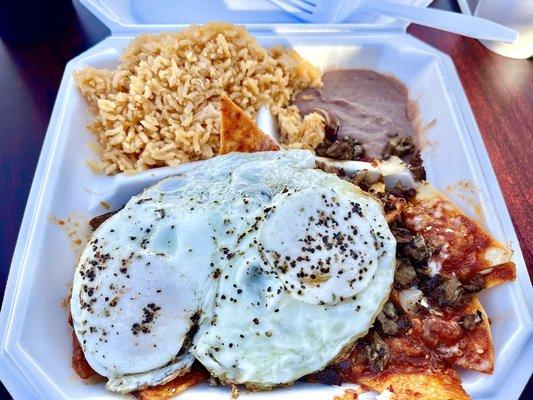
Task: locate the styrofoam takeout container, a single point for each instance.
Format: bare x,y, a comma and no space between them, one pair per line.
34,335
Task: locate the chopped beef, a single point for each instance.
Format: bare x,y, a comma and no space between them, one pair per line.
402,192
331,125
100,219
343,149
330,169
387,320
444,292
360,179
401,234
389,310
386,326
322,149
417,168
475,285
417,248
376,351
405,275
390,204
399,146
470,321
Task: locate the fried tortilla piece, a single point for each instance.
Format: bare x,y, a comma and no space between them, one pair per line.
425,343
475,350
445,385
347,395
239,133
79,363
464,247
174,387
458,337
419,375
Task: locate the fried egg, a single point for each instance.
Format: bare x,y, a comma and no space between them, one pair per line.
259,266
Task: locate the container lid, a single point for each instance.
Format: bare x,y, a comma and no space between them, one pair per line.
131,16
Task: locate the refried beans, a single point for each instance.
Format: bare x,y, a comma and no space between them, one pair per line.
363,105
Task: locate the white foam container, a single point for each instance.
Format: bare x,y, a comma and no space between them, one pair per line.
35,342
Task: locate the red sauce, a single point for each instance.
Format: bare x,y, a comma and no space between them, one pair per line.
434,343
463,243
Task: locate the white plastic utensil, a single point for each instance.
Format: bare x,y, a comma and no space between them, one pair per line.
267,123
337,11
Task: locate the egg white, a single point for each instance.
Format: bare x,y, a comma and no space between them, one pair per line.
200,249
265,330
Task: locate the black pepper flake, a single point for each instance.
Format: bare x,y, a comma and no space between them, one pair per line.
160,214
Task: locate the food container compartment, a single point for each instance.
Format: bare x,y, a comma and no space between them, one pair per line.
34,335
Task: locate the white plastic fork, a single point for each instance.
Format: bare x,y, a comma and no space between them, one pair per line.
335,11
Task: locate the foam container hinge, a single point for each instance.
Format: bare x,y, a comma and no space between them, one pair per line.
35,341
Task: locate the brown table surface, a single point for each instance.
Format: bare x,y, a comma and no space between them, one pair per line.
500,91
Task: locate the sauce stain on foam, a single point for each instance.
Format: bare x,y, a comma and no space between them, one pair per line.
469,194
420,128
423,142
77,229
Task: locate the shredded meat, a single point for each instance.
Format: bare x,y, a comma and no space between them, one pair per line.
402,192
470,321
405,275
376,351
475,284
343,149
360,179
330,169
331,125
399,146
444,292
401,234
417,168
387,320
417,249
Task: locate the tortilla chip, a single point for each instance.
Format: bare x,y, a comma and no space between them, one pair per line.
353,394
422,386
466,248
475,346
502,273
239,133
172,388
78,361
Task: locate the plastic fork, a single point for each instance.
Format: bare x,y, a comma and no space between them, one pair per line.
336,11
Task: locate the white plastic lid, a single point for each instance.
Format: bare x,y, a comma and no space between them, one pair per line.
130,16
